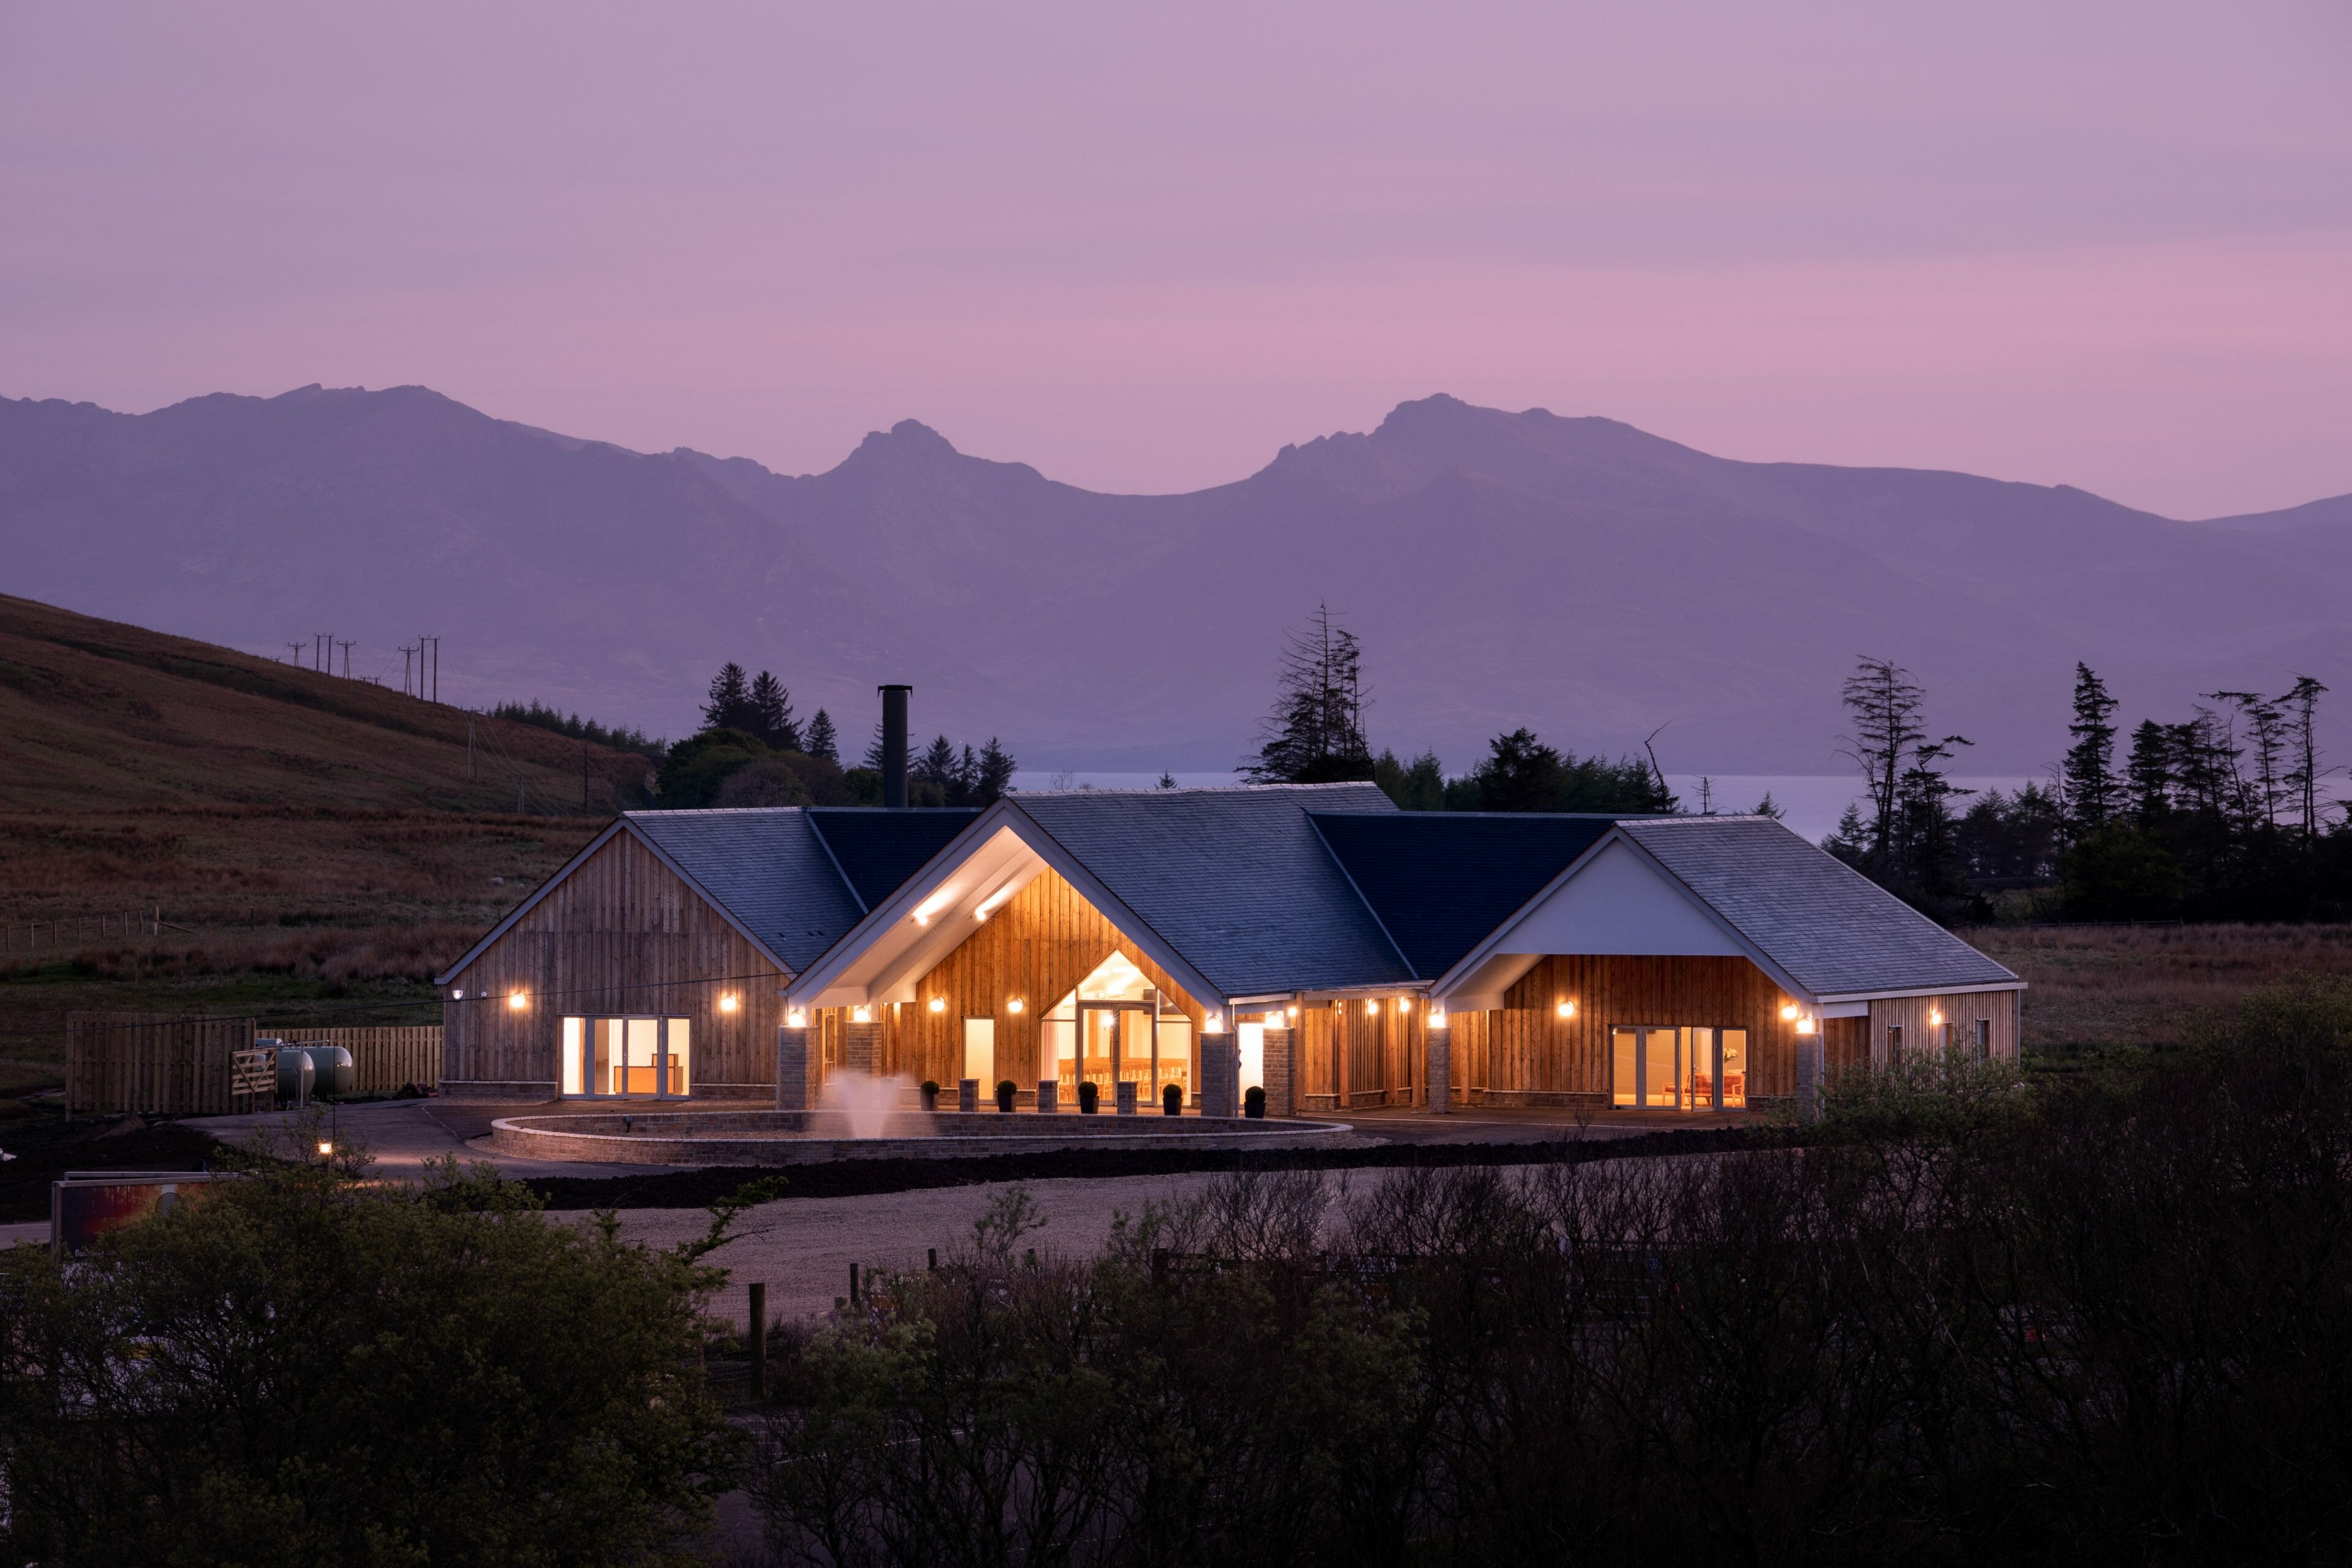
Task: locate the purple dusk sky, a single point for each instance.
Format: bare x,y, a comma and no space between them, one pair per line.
1143,246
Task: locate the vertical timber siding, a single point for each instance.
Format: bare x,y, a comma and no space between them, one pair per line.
1532,1056
622,934
1922,1038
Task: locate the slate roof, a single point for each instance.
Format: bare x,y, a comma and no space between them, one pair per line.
1236,879
1441,882
879,850
1832,929
765,867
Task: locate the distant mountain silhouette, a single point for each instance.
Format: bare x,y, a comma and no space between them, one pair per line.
1576,574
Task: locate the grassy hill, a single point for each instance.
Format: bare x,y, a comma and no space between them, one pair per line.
314,846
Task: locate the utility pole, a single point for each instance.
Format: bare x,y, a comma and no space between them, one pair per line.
321,643
347,659
295,648
405,651
435,641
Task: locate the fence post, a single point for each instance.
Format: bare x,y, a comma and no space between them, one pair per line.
758,1332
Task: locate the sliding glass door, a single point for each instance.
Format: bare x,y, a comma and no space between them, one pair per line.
636,1057
1660,1066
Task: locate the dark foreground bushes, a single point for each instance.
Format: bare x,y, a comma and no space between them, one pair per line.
2095,1326
302,1370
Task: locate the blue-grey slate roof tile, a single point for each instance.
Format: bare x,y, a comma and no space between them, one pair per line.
1832,929
765,867
1236,879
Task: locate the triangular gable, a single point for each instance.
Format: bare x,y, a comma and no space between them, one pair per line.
618,825
933,912
1614,900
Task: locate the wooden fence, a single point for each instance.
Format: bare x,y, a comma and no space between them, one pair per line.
154,1063
383,1059
163,1064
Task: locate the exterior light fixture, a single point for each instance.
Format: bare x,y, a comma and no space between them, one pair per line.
1807,1027
939,1004
516,1002
1789,1011
1565,1009
1013,1005
796,1019
326,1148
1211,1022
1936,1016
1294,1014
1405,1006
727,1003
457,995
861,1014
1371,1007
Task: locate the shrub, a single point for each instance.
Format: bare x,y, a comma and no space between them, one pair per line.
1089,1096
305,1370
1004,1093
1254,1102
1171,1099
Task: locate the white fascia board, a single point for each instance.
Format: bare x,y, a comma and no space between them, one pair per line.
1982,988
1467,972
845,977
532,902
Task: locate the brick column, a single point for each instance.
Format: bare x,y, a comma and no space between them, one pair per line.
967,1095
861,1048
1123,1097
1220,1074
792,1074
1049,1095
1281,1071
1441,1069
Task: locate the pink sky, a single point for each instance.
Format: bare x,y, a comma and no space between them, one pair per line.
1143,246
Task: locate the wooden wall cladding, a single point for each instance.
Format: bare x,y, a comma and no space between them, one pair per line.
1037,946
1350,1056
1531,1050
622,935
1921,1035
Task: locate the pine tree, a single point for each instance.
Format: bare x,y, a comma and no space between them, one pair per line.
993,778
1315,733
820,741
937,766
730,707
2092,792
1167,780
2301,705
1885,701
2147,774
874,753
772,710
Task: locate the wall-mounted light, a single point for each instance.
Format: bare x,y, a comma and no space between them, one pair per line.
1294,1014
939,1004
861,1014
1565,1009
1405,1005
796,1019
1437,1018
1211,1023
1807,1027
326,1148
1272,1020
727,1003
1789,1012
1013,1005
516,1002
1936,1016
1371,1007
458,995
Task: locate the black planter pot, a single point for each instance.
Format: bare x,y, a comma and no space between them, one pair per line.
1004,1093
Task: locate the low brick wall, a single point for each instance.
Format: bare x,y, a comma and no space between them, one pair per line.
810,1137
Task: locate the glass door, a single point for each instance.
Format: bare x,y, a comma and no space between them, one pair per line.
1656,1068
649,1057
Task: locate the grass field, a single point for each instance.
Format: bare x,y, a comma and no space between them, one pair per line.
322,846
2101,989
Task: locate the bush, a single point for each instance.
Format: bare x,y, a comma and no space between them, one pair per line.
1004,1093
1254,1102
306,1369
1090,1097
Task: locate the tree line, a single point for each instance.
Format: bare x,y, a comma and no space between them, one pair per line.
1315,733
753,751
2220,817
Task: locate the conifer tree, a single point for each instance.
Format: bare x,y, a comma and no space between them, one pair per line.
771,712
729,705
993,777
820,742
1315,732
2089,770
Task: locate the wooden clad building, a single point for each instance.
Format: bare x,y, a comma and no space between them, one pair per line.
1309,940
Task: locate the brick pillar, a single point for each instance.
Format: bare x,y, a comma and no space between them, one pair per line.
1049,1095
1281,1071
793,1076
967,1095
1441,1069
1123,1096
1809,1076
861,1048
1220,1074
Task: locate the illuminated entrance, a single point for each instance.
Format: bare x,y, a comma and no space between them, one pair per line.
1116,1027
1656,1067
645,1057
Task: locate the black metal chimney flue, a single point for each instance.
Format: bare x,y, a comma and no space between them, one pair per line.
894,745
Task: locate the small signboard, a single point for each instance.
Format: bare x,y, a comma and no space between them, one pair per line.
89,1203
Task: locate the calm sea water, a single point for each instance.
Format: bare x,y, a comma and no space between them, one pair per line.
1811,803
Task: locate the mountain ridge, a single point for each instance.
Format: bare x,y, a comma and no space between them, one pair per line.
1575,573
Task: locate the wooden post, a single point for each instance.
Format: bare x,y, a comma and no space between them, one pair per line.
758,1332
